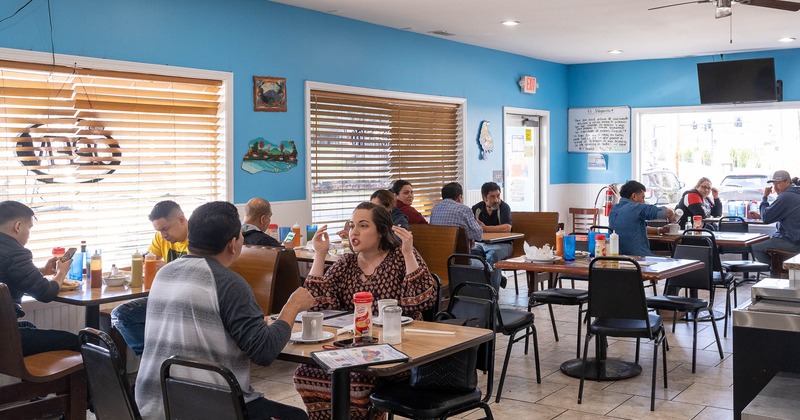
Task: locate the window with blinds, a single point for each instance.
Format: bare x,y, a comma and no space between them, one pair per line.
361,143
92,151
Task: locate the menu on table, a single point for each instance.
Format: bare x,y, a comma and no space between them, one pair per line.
378,354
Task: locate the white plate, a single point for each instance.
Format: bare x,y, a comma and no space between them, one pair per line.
581,254
544,261
298,337
404,320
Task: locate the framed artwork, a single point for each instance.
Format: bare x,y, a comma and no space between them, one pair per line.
269,94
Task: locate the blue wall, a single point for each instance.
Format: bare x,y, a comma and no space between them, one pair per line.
653,83
257,37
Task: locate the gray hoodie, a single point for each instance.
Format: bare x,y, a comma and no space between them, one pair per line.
786,211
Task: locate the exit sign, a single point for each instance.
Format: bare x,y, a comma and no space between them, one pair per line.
527,84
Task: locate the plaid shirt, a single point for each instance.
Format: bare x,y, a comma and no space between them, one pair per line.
451,213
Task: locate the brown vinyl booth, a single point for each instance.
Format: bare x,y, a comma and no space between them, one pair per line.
258,265
539,229
435,244
53,372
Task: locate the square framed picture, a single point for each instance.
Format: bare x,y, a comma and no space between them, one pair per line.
269,94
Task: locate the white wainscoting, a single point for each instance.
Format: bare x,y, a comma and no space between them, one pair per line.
54,315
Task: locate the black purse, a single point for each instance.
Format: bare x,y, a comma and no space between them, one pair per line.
454,372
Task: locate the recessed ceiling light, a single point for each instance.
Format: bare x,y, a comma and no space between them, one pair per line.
787,39
510,22
615,51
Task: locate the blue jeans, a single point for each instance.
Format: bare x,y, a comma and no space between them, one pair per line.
493,253
760,249
35,341
128,318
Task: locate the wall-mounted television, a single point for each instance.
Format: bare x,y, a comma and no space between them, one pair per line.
737,81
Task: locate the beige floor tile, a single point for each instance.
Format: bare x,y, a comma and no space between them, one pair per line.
518,409
527,390
713,413
273,390
639,408
597,401
579,415
707,395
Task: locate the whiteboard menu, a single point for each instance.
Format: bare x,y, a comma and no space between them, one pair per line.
605,130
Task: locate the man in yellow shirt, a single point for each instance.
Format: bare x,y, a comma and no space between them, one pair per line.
169,243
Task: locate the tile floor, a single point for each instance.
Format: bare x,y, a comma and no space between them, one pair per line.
706,394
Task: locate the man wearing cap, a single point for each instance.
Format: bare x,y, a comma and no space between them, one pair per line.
784,211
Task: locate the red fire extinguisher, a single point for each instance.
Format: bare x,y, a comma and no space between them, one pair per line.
609,200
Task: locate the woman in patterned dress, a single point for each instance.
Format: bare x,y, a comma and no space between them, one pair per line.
380,265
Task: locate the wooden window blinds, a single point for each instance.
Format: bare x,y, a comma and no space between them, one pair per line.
91,151
363,143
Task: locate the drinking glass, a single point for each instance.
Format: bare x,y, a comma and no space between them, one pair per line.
283,231
391,325
311,230
569,247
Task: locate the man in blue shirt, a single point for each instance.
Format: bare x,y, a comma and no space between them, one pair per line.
784,211
629,219
452,212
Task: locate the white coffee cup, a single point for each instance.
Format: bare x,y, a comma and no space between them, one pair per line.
312,325
382,303
674,228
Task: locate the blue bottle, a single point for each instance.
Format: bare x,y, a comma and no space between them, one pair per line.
731,208
76,268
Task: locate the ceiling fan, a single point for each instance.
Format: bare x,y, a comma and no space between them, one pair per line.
723,7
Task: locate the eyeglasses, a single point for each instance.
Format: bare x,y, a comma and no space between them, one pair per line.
704,187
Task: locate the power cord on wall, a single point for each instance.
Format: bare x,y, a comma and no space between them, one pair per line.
50,18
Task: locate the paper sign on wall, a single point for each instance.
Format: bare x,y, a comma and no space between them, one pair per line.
603,130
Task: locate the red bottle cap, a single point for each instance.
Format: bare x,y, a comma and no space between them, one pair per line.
600,237
362,297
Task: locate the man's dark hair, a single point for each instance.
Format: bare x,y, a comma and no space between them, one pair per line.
13,210
386,197
212,226
398,185
452,190
383,223
163,209
630,188
488,187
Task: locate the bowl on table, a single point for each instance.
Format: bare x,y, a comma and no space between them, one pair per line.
116,280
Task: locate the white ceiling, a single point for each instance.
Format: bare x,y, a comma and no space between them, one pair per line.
579,31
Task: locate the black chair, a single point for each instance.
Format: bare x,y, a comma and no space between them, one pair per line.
747,264
109,388
617,307
561,296
696,280
192,399
722,278
430,314
508,321
438,400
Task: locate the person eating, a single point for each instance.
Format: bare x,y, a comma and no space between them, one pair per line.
379,264
629,218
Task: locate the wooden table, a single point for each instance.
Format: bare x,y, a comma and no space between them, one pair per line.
722,238
420,348
495,237
93,298
656,268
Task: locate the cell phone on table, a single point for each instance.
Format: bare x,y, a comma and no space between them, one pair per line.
68,255
355,342
289,237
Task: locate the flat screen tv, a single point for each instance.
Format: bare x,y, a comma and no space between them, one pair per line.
737,81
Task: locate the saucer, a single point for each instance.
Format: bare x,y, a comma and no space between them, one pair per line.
543,261
298,337
404,320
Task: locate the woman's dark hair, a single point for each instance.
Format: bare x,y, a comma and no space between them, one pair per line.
385,197
796,181
383,223
398,185
212,226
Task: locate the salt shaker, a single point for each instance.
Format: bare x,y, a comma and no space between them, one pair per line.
391,325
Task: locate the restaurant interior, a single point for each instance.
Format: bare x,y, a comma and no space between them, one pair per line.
212,64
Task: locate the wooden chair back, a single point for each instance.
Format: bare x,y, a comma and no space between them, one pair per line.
258,265
55,372
287,278
539,228
435,244
583,219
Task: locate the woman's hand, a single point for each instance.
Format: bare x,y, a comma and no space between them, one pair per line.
714,192
406,238
321,241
